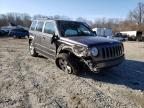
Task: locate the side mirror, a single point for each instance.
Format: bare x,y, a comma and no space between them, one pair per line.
54,38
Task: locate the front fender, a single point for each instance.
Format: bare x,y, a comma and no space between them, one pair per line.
69,50
64,48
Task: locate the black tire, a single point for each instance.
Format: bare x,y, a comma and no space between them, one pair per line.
67,63
32,50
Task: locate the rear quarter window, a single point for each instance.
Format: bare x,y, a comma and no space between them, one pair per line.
33,25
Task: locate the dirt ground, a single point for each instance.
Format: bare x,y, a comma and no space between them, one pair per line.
28,82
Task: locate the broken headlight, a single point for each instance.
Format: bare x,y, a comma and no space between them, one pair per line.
80,50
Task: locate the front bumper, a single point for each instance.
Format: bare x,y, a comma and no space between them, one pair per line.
96,66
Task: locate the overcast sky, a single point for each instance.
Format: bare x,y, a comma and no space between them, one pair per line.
89,9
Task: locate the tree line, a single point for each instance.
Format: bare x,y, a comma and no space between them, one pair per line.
134,20
22,19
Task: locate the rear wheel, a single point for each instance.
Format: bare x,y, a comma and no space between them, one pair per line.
67,63
32,50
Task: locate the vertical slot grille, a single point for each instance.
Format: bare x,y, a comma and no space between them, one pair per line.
112,51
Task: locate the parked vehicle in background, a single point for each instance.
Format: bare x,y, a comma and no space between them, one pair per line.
120,37
18,33
7,28
133,35
15,31
74,46
3,33
104,32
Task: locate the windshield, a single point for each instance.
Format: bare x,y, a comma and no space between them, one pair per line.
72,29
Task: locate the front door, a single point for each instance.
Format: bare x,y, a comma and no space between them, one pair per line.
49,30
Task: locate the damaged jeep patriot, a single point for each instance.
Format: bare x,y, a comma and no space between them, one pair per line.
73,45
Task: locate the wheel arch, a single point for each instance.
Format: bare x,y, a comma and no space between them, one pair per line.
64,49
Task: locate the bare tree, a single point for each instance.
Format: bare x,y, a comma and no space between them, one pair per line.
3,20
22,19
137,15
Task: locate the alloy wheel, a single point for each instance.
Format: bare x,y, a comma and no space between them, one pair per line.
64,66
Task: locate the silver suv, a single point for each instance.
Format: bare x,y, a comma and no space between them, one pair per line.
74,46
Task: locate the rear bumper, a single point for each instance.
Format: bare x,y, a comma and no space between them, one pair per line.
96,66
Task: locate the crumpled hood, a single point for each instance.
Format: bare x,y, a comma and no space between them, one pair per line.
92,41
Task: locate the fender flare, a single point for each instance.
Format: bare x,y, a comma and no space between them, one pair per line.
64,48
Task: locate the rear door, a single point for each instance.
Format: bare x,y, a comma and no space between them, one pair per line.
38,35
48,31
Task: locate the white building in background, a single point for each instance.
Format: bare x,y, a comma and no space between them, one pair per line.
104,32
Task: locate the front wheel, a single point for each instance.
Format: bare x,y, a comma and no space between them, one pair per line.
67,63
32,50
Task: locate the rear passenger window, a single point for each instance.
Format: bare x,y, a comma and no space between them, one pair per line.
33,25
39,26
49,28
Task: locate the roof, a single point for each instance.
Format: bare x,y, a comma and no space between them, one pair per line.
46,19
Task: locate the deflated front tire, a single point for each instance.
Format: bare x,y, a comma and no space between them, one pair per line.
67,63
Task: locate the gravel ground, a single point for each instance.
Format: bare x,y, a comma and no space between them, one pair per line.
28,82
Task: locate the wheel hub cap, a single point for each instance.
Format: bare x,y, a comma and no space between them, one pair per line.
64,66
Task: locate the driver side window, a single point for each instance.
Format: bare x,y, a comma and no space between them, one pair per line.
71,32
83,30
